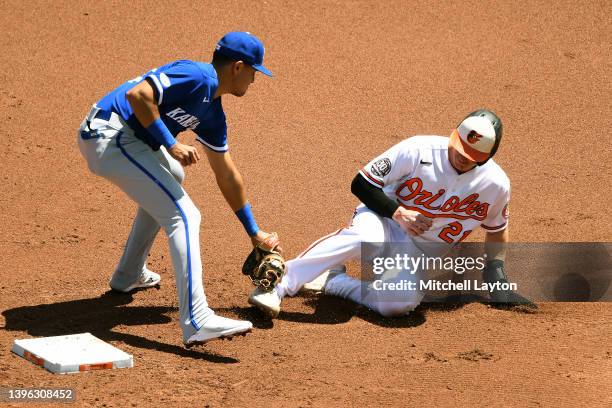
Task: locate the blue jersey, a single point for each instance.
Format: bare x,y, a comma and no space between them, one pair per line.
184,90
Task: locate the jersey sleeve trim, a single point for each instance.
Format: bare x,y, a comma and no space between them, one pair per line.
219,149
371,179
159,87
495,229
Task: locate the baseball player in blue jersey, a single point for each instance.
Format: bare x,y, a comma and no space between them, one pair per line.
129,138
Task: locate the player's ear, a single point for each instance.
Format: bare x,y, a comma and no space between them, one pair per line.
237,67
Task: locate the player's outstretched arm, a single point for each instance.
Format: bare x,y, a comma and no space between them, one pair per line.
228,178
232,187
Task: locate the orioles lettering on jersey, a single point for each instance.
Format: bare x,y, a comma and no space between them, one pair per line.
412,189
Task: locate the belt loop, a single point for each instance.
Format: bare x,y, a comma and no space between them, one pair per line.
92,113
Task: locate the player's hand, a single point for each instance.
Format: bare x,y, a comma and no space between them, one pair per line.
185,154
413,222
260,237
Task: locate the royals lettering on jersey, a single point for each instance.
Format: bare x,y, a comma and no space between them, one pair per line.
184,91
418,175
184,119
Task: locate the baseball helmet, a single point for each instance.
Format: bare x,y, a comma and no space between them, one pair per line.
478,136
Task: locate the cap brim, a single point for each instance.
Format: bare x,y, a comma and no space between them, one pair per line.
465,149
263,70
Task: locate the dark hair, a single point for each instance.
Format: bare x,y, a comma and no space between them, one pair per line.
219,60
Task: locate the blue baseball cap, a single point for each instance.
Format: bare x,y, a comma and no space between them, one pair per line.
243,46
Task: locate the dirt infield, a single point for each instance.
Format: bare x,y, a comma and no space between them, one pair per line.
351,79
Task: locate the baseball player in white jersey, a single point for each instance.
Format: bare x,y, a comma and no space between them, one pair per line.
425,189
128,138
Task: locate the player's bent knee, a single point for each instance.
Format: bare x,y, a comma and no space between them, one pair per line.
191,212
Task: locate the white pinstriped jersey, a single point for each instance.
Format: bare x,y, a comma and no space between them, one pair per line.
419,176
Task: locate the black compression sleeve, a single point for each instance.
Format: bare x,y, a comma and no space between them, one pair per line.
373,197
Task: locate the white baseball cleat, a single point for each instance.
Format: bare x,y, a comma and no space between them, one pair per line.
267,301
148,279
218,328
317,285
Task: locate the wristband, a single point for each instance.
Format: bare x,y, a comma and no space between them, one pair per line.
161,134
246,218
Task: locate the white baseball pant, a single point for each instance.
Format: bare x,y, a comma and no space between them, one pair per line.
334,250
153,180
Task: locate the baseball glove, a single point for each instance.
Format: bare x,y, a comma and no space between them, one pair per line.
265,265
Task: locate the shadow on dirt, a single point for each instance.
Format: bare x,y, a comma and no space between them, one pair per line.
251,314
327,310
413,319
333,310
99,316
517,304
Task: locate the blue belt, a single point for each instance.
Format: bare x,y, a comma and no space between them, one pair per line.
94,134
102,114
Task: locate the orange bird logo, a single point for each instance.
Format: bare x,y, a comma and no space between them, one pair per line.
473,137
